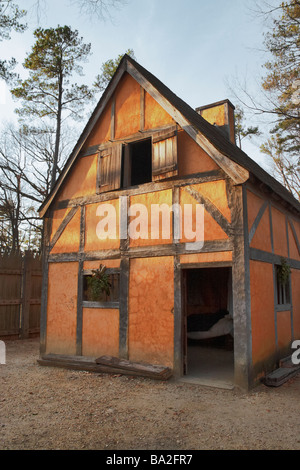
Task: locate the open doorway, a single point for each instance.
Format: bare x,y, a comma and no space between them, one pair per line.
208,325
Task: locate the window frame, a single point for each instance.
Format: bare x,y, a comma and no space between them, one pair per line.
101,304
127,164
113,176
283,292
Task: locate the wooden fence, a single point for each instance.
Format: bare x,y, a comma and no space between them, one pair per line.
20,294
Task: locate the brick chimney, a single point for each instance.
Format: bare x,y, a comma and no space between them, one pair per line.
221,115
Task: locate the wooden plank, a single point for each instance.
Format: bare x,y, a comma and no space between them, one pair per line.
164,156
280,376
140,368
109,168
10,302
90,364
10,271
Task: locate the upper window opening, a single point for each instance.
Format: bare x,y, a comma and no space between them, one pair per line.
137,163
152,158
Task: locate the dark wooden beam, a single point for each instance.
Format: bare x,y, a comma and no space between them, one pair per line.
211,209
241,287
295,234
267,257
178,320
257,220
142,252
62,226
45,269
123,306
143,189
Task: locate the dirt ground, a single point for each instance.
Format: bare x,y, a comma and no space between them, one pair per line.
45,408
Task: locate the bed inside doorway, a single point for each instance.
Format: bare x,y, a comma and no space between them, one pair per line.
208,321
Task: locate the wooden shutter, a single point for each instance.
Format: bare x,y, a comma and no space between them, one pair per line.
109,168
164,154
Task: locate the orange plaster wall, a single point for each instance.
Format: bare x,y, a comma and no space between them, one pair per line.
155,115
254,203
100,332
62,308
215,191
284,329
92,242
127,107
58,216
262,236
212,230
102,130
82,179
297,228
294,253
144,228
295,278
262,311
279,232
214,115
70,238
191,158
151,302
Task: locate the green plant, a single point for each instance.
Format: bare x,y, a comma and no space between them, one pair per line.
98,283
283,271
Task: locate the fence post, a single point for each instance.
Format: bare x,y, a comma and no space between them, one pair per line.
26,293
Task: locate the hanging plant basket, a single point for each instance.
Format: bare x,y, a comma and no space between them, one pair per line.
283,271
98,283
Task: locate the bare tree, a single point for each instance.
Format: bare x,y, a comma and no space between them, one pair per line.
99,9
26,157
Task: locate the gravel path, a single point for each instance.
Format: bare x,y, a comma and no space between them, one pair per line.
49,408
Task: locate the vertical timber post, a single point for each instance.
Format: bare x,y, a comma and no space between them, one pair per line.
80,283
178,323
26,294
241,288
45,273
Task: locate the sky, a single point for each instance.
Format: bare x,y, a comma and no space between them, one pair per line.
198,48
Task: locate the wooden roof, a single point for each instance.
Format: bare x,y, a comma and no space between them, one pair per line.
236,163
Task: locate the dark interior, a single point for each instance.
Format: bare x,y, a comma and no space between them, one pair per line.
140,167
207,301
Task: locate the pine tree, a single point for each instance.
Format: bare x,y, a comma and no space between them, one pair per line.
282,84
49,91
